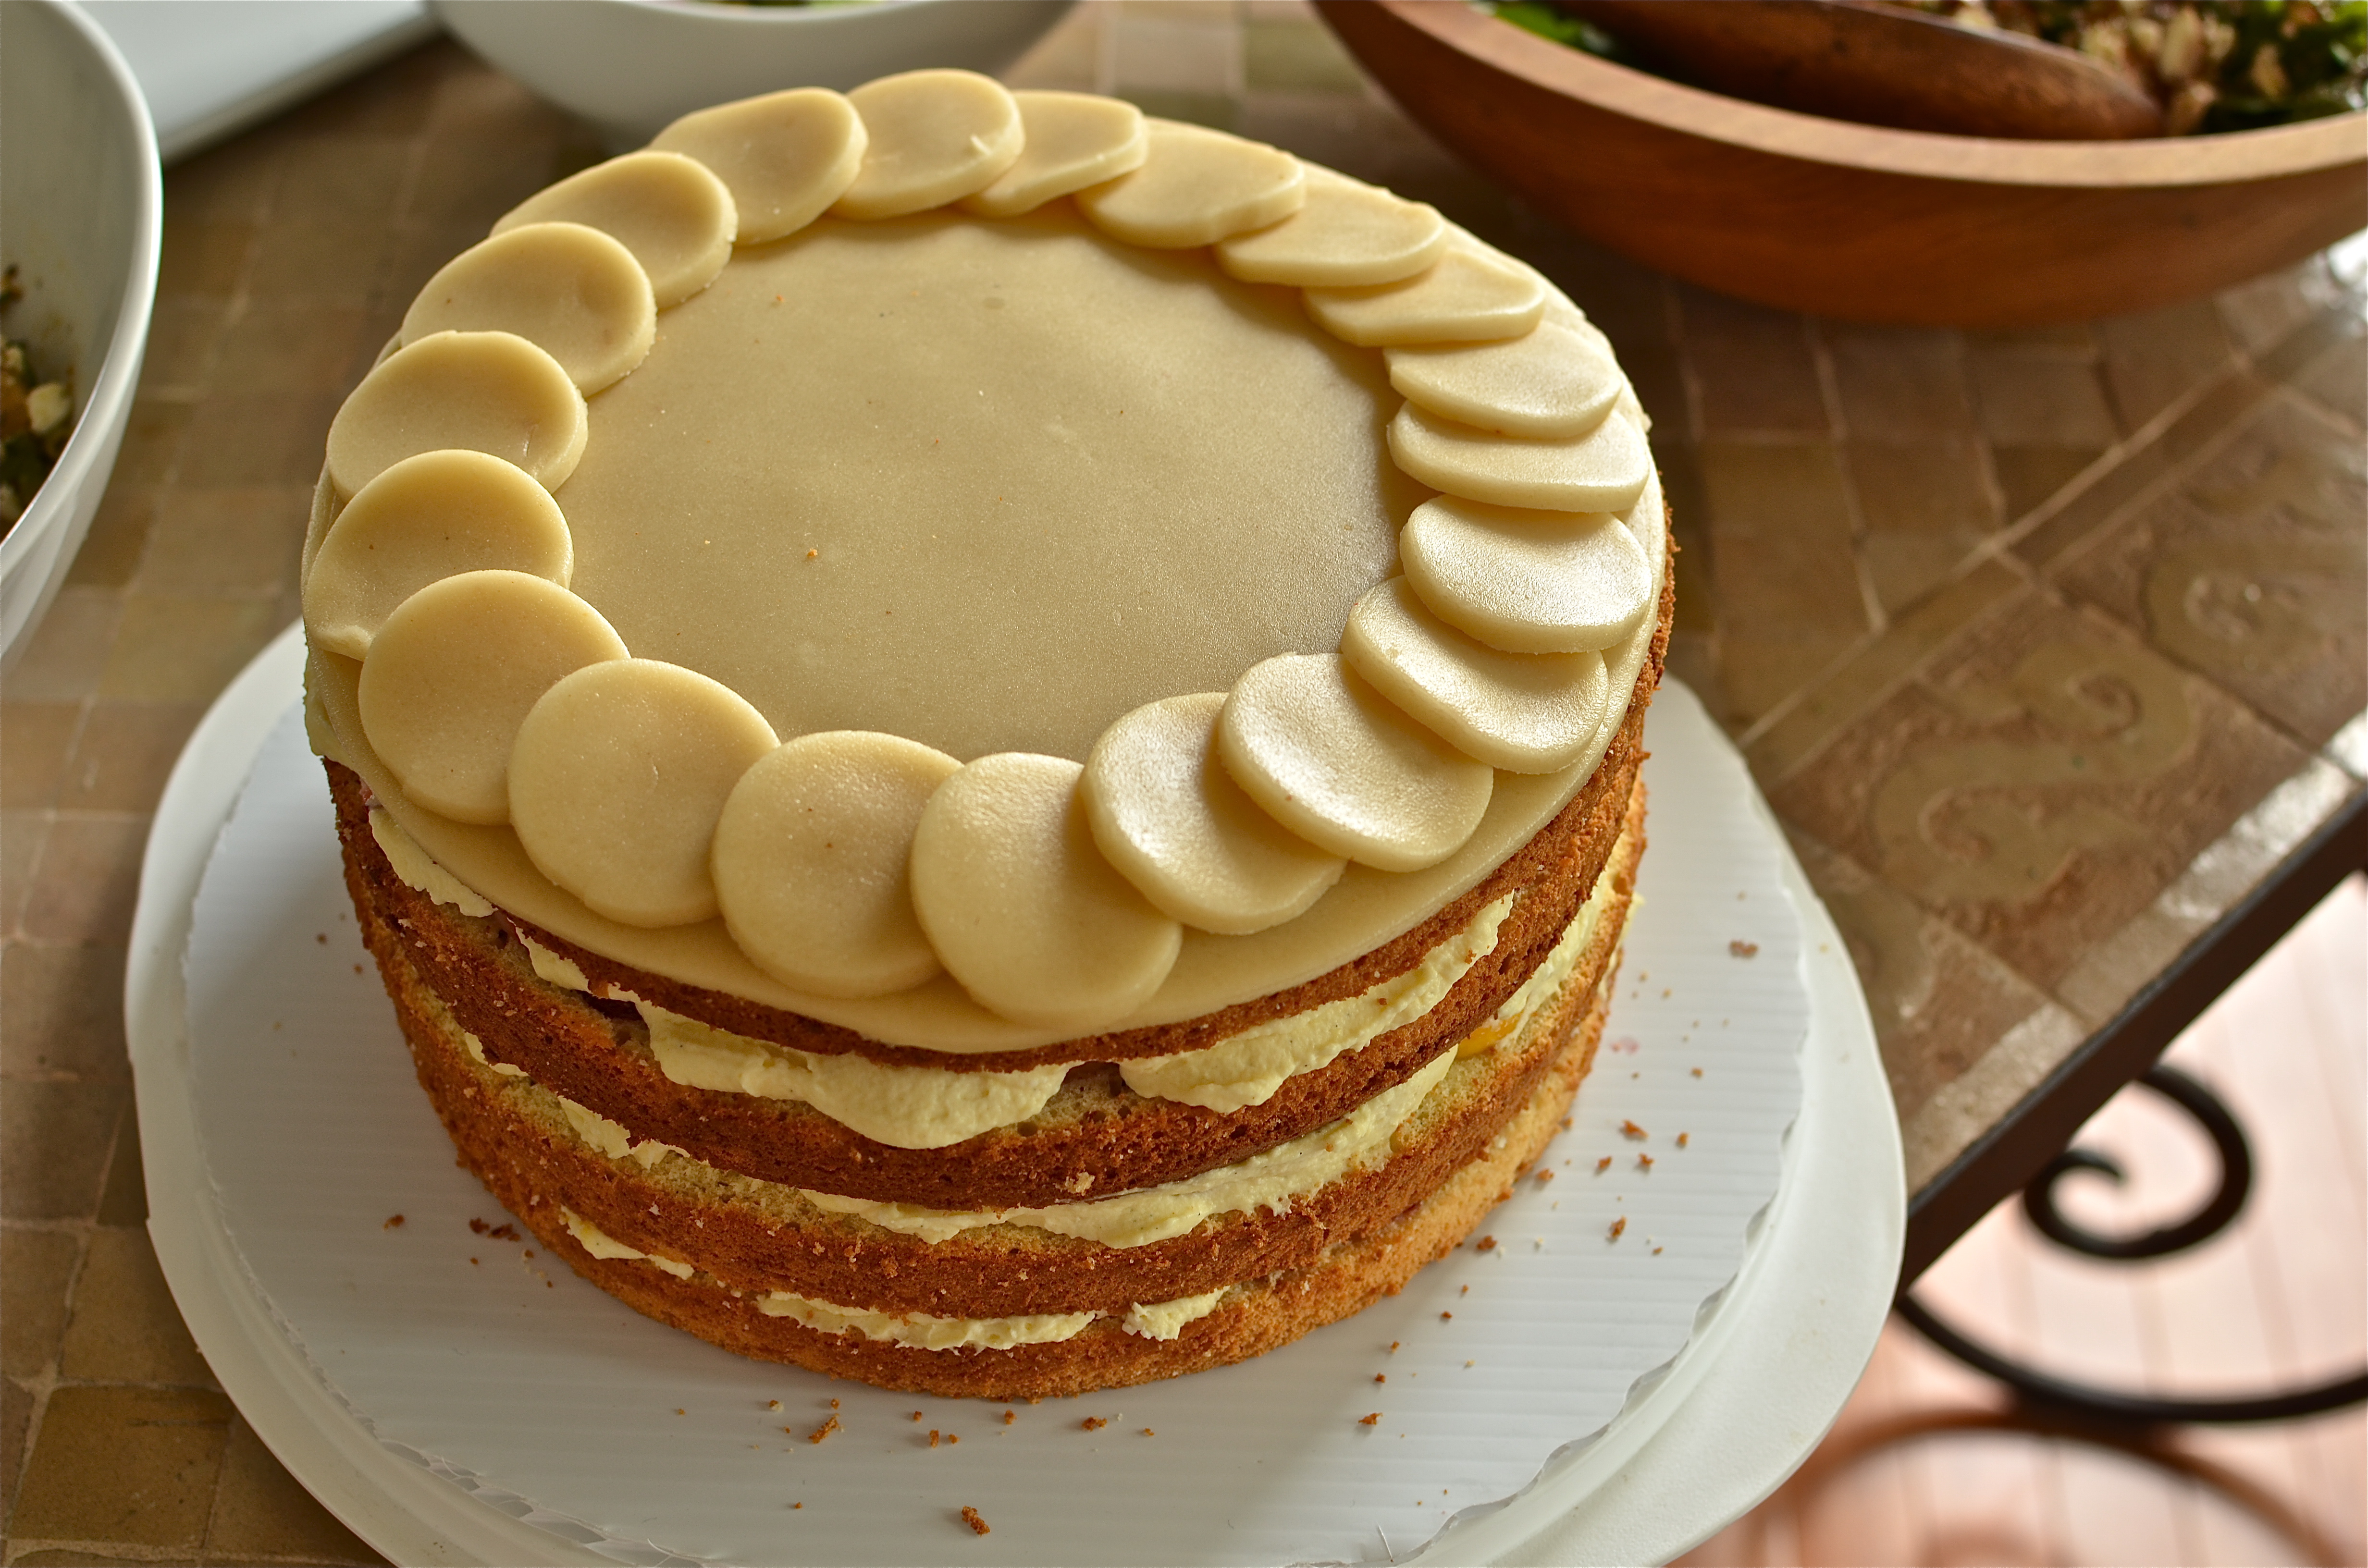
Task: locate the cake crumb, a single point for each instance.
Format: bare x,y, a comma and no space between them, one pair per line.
1093,1423
479,1226
814,554
1630,1130
472,1260
1656,1252
1643,1162
394,1222
1446,1317
1566,1124
1393,1347
1149,1433
1381,1377
1471,1363
953,1438
1545,1176
933,1436
504,1232
679,1411
1373,1420
1488,1244
970,1516
1008,1417
1604,1165
1683,1138
916,1415
833,1405
1468,1290
797,1504
1695,1071
824,1430
1617,1226
1743,949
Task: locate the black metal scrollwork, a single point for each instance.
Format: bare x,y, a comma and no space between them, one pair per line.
2038,1389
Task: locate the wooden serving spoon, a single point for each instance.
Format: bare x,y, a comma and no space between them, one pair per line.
1879,65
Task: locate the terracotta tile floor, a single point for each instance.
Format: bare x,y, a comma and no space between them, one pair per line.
2279,1299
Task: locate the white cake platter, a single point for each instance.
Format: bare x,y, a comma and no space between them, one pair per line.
1570,1394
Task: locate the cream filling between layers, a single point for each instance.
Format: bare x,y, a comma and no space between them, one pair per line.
932,1108
610,1138
1246,1069
906,1107
1272,1180
600,1244
419,870
922,1330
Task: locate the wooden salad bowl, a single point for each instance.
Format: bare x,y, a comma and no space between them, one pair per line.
1857,222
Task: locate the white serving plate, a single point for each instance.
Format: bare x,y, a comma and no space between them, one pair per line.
81,216
1624,1405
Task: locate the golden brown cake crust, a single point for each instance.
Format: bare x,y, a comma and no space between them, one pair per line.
1267,1311
1103,1138
747,1244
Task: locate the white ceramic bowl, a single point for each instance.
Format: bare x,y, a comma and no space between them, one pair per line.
81,215
630,66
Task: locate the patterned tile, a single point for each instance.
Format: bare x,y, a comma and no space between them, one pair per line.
2255,570
1926,505
2039,783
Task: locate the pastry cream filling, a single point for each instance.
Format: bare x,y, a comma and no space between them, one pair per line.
1547,979
609,1137
906,1107
1272,1180
599,1244
419,870
556,967
930,1107
477,1054
1245,1069
921,1331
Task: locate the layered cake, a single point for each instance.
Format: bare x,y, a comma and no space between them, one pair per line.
988,745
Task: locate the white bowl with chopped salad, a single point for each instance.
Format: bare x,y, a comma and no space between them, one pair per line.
81,221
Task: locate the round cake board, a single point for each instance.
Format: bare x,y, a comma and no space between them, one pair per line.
1568,1395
